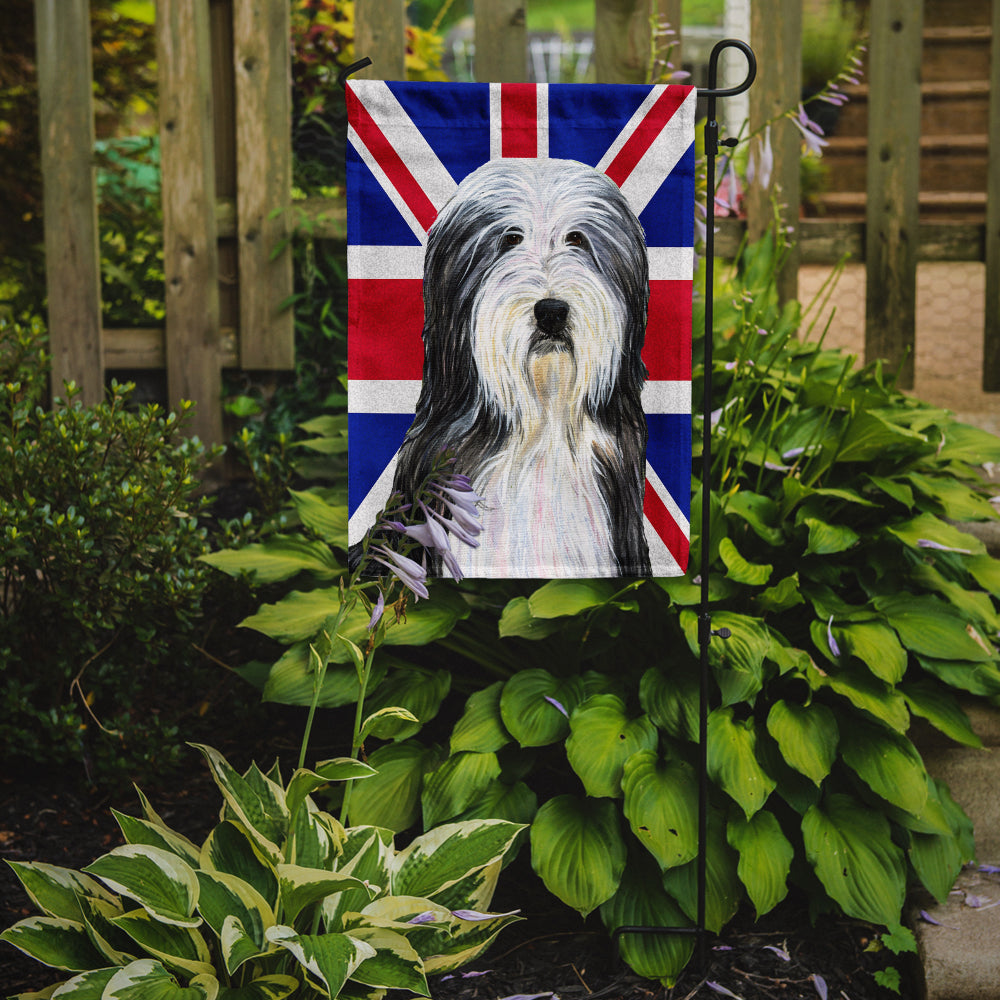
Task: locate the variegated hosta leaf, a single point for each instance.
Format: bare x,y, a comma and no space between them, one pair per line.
723,889
642,902
116,947
441,857
367,853
177,947
467,940
578,851
275,987
54,941
732,760
329,959
56,891
304,782
807,736
476,890
395,964
149,980
224,897
481,727
765,858
230,849
158,880
535,706
602,737
141,831
457,784
300,887
661,799
256,801
315,839
850,847
87,986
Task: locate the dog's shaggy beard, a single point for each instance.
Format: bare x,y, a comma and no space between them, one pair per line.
535,287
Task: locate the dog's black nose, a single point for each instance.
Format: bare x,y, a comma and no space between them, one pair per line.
551,314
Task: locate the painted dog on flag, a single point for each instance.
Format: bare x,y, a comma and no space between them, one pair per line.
535,298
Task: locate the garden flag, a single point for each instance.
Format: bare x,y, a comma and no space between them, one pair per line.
520,262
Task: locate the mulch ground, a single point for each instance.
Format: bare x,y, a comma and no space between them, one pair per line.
551,953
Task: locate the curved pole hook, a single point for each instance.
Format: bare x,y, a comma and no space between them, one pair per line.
712,90
353,68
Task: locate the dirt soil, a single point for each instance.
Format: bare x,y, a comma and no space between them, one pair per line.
551,953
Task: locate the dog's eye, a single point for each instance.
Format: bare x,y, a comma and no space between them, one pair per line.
575,238
509,240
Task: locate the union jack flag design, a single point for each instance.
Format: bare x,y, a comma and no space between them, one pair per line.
409,146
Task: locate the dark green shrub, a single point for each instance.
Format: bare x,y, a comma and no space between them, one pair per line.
100,583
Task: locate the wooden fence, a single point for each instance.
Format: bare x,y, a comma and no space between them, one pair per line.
226,160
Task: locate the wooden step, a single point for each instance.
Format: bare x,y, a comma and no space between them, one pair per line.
956,53
957,206
947,162
940,13
945,105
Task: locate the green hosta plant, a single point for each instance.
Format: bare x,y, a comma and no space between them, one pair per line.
279,900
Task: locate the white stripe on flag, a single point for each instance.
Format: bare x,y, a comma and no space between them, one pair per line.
661,559
408,141
671,263
668,501
626,133
386,184
370,508
666,397
373,395
496,120
386,262
664,153
542,112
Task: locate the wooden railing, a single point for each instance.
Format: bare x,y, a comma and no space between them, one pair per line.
226,160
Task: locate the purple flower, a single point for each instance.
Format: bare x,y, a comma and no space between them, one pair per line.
719,988
811,132
427,917
475,915
820,983
377,611
552,701
834,648
761,164
927,543
410,573
780,952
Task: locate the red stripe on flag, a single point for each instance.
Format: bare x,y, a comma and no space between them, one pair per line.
665,526
645,132
385,320
667,350
518,120
390,161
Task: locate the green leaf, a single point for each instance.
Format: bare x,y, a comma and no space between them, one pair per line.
181,948
864,692
456,784
888,763
765,858
783,595
299,615
671,700
876,646
330,959
304,782
292,679
602,738
515,803
559,598
391,798
578,851
279,558
386,722
661,799
275,987
869,436
418,690
56,891
163,884
517,620
976,678
54,941
481,728
850,848
230,849
807,736
528,714
723,889
327,520
957,501
732,760
738,661
932,628
640,901
758,511
147,979
738,569
438,859
927,527
827,539
395,964
937,860
941,709
301,887
986,571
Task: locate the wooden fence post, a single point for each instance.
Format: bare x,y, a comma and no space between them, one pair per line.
991,333
501,41
190,251
262,61
380,34
776,35
622,40
893,183
72,255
